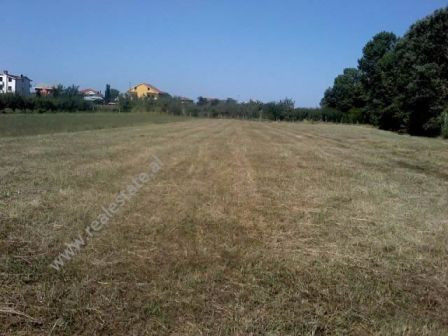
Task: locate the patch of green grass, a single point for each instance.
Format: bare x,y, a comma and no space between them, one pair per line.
33,124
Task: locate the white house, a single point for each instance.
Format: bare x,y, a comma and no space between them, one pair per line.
14,84
92,95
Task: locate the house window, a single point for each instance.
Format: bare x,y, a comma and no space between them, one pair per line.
9,88
1,79
9,79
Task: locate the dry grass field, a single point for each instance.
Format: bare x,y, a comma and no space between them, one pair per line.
249,228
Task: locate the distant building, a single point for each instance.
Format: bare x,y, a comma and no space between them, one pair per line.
90,92
145,90
44,90
207,101
14,84
185,100
92,95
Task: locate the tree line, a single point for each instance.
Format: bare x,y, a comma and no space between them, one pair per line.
67,99
400,84
282,110
60,99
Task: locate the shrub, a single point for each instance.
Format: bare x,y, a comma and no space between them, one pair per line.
65,100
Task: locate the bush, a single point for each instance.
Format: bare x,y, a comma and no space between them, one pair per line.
124,103
67,100
318,114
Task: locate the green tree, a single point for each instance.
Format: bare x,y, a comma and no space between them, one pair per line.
107,98
421,76
202,101
125,103
373,66
71,91
114,93
347,91
58,90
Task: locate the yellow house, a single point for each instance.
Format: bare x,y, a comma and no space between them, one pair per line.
145,90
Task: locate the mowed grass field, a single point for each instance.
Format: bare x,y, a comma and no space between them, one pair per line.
32,124
249,228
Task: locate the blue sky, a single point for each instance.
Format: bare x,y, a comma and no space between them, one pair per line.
258,49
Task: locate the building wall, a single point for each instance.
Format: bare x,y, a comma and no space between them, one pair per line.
143,90
44,91
2,83
23,86
9,84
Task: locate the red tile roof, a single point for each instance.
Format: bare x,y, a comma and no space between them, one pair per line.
87,90
148,85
